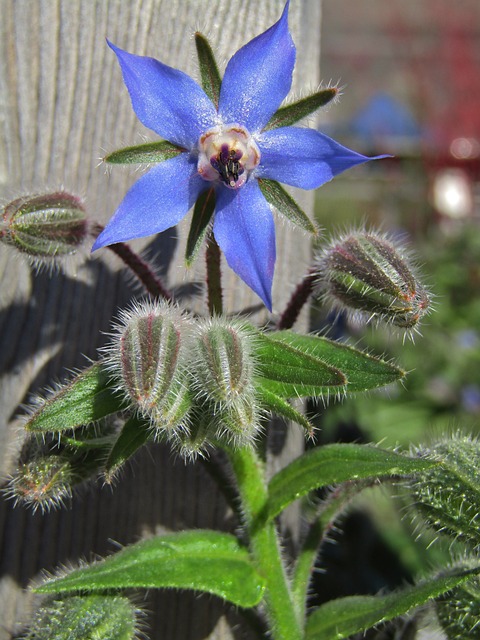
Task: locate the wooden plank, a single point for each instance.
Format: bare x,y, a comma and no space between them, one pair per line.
62,106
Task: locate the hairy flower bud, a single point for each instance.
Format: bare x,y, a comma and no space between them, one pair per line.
43,482
223,364
458,610
222,370
88,616
147,357
367,273
45,226
448,494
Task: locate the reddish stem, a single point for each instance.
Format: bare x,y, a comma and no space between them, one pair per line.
139,267
298,299
214,278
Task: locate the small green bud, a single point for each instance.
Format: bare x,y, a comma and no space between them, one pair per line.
223,364
239,424
458,611
45,226
43,482
89,617
222,370
448,494
147,357
367,273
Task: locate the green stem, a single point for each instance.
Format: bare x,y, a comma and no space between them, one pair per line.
264,545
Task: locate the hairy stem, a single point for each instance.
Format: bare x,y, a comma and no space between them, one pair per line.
139,267
214,278
249,471
297,301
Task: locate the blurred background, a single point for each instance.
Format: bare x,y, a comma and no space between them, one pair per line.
409,73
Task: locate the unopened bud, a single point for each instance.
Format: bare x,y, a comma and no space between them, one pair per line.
239,424
43,482
458,610
447,495
223,366
367,273
146,357
45,226
89,616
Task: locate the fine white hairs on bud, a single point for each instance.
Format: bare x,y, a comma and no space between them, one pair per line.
370,275
458,610
223,370
45,227
447,495
147,357
44,482
78,617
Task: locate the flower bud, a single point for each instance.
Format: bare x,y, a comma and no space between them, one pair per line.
458,610
43,482
88,616
223,365
239,424
367,273
45,226
147,357
448,495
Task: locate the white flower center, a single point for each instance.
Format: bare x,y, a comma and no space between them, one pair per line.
227,153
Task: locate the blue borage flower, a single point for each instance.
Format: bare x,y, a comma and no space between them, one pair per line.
227,149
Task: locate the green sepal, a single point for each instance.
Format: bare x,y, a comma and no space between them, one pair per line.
290,373
202,214
332,464
292,113
211,80
150,153
363,371
86,398
281,407
201,560
136,432
276,195
344,617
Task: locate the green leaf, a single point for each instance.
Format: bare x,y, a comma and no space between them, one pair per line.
343,617
88,397
292,113
135,433
334,463
276,195
281,407
363,371
201,560
149,152
288,372
202,214
211,80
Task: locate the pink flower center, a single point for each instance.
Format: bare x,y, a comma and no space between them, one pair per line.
228,154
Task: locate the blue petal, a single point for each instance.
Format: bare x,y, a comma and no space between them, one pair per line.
244,229
166,100
303,158
158,201
258,77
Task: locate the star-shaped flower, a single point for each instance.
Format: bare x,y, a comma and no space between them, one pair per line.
228,147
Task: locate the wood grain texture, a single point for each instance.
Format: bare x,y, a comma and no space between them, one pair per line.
63,105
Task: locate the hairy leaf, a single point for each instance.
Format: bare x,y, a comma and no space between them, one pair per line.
334,463
84,399
341,618
201,560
